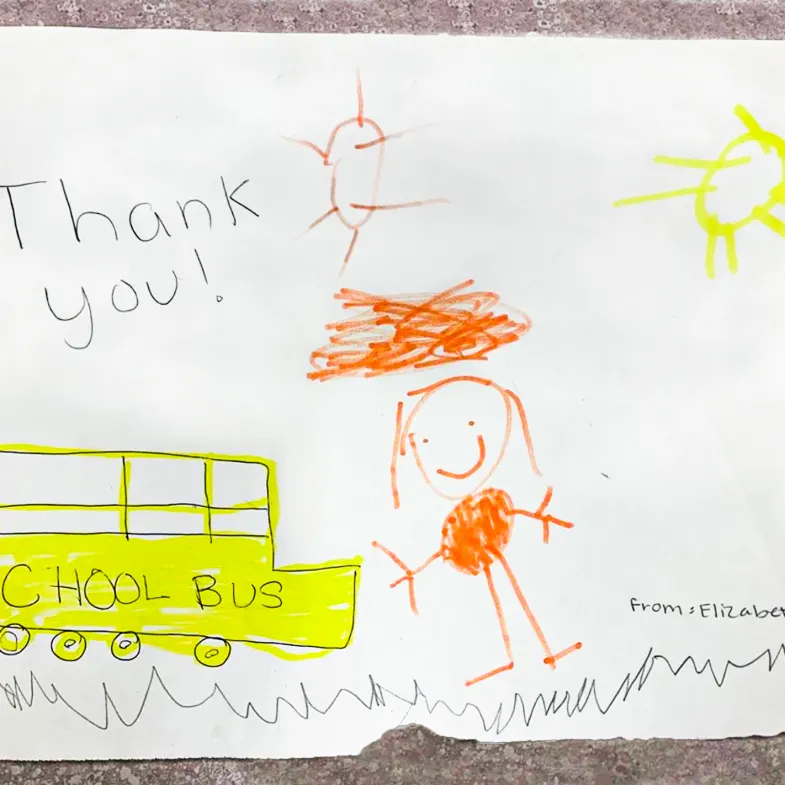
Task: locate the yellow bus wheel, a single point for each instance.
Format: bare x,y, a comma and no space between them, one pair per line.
126,646
69,645
212,652
13,639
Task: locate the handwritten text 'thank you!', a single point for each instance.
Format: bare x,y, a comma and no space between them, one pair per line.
142,223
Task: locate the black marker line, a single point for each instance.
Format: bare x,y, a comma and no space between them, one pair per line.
164,302
568,703
201,266
258,641
33,450
176,506
13,208
85,302
142,535
124,519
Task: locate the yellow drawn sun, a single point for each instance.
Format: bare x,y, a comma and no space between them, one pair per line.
769,143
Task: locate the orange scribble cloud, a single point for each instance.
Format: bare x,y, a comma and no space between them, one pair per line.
409,332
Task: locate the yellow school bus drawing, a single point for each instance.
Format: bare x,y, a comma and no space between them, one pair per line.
170,550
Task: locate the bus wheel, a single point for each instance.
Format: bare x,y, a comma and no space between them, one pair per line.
126,646
13,639
69,645
212,652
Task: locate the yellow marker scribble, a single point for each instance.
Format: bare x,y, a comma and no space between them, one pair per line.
193,594
708,220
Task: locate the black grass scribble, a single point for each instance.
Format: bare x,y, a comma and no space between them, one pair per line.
21,697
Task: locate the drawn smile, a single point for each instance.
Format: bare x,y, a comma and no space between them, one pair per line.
464,475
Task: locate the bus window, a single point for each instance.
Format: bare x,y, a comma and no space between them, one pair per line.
174,521
165,481
31,479
252,522
58,521
236,482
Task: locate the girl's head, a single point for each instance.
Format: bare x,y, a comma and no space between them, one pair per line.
457,434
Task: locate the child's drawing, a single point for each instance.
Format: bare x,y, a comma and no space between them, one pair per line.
413,332
738,153
389,334
356,147
478,528
191,573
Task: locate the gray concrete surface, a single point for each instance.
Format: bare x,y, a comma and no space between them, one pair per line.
414,755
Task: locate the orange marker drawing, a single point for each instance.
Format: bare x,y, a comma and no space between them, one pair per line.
477,530
409,332
364,147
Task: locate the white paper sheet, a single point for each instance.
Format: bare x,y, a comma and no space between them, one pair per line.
226,434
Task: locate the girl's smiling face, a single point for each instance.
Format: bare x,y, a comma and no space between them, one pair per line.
457,434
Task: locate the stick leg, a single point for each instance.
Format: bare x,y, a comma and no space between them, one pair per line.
360,101
505,635
550,657
733,259
711,250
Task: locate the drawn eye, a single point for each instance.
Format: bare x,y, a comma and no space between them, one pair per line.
471,422
425,440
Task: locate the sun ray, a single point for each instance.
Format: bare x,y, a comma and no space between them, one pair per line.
321,218
349,251
360,115
701,163
711,249
388,137
309,145
730,246
778,192
749,121
767,219
753,127
399,206
664,195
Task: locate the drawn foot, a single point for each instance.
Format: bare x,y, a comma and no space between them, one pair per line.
494,672
551,660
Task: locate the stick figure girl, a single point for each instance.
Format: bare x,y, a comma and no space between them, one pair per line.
477,530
